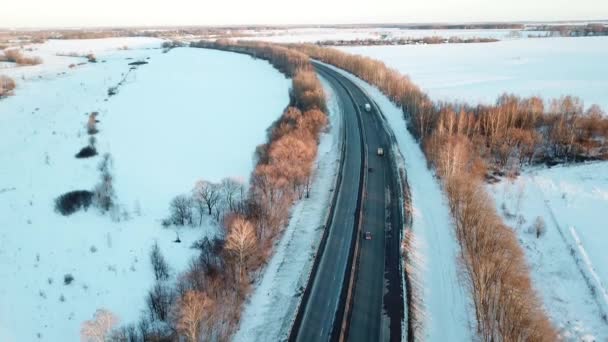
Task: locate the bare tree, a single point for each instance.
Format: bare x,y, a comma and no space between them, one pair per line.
159,264
241,242
207,193
181,210
97,329
194,308
233,192
159,302
128,333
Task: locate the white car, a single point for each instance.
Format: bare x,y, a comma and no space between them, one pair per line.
380,151
368,107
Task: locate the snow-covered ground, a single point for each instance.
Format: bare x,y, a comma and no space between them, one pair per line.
447,310
187,115
57,55
269,312
312,35
569,261
550,67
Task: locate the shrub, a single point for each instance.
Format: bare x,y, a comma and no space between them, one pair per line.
540,228
68,279
73,201
7,85
159,264
16,56
86,152
92,123
104,190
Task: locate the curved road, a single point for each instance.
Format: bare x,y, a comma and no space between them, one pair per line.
375,310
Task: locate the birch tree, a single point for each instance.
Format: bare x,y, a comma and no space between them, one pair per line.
241,243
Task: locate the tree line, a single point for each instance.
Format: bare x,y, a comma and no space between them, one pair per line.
404,41
462,142
205,303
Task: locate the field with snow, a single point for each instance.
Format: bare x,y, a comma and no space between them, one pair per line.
189,114
313,35
568,261
550,67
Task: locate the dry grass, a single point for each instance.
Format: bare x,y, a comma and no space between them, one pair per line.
7,85
16,56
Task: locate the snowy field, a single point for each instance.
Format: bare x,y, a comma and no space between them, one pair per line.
174,121
270,310
550,67
569,261
57,54
448,314
312,35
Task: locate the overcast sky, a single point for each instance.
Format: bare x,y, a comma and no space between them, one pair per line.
64,13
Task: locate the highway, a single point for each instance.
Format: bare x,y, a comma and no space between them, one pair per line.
367,200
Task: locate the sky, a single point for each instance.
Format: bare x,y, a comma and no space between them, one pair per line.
80,13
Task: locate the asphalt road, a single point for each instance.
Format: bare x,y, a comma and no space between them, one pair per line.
323,303
377,305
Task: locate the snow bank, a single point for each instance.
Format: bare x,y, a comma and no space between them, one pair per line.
446,301
569,261
550,67
188,114
269,312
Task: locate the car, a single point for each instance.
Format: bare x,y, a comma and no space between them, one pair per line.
368,107
367,235
380,151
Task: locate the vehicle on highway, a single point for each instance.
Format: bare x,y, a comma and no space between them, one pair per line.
368,107
368,235
380,151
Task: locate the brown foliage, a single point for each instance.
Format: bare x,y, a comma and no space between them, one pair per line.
6,85
16,56
506,306
194,309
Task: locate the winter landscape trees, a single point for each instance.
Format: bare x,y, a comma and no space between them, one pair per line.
462,142
205,303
